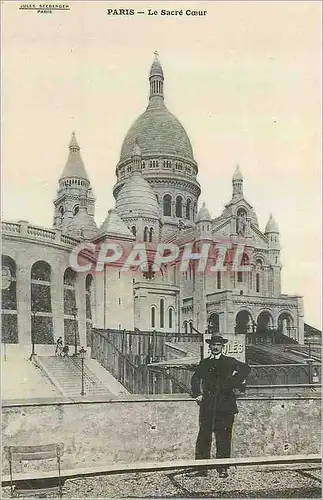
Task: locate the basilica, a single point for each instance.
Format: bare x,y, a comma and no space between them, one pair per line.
156,200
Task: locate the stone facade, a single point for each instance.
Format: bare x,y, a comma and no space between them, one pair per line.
156,193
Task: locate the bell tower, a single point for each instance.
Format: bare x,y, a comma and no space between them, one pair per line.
73,186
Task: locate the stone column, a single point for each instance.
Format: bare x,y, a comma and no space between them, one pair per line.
265,280
23,300
229,323
300,329
81,307
233,225
57,292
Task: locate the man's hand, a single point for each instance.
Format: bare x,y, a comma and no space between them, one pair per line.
199,399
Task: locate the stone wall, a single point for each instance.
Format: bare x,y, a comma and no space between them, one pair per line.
145,429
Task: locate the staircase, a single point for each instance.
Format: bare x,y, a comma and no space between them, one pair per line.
271,355
66,374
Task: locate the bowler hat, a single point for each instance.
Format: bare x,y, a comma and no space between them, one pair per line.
216,339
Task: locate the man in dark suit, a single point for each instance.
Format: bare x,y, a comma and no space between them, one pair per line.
212,386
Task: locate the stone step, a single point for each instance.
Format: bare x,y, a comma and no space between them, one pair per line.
67,373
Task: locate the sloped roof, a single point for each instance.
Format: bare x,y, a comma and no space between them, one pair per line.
113,224
74,166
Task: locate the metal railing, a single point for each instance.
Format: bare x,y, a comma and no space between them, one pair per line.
145,346
136,378
128,362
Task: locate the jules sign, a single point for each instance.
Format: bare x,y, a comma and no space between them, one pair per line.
236,346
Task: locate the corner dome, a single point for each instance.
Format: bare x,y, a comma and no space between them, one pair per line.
237,176
271,226
203,214
158,132
137,199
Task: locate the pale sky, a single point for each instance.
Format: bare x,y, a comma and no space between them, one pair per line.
245,82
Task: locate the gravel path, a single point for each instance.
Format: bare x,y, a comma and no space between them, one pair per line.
241,483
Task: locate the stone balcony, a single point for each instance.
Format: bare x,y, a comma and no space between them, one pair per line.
24,229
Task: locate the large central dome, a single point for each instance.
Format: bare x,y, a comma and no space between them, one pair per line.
157,130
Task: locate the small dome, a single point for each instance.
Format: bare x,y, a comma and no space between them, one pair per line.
203,214
156,69
83,226
271,226
137,198
237,176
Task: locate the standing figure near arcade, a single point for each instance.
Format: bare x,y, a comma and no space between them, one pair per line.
212,386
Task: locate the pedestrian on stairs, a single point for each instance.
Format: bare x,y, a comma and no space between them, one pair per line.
59,347
66,350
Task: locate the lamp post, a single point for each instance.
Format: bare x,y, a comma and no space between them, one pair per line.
74,313
82,354
34,313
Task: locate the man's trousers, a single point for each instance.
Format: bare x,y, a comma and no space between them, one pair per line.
221,424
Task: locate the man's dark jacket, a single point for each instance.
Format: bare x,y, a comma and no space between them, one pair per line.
216,379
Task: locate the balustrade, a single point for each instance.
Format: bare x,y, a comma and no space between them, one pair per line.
40,233
24,228
10,227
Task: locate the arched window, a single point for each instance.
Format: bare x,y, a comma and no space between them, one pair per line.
70,277
153,317
170,318
241,222
218,280
188,209
146,234
179,206
167,205
161,315
257,282
9,301
240,277
214,323
185,327
41,271
150,273
259,263
134,230
151,232
41,303
191,326
245,260
76,210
